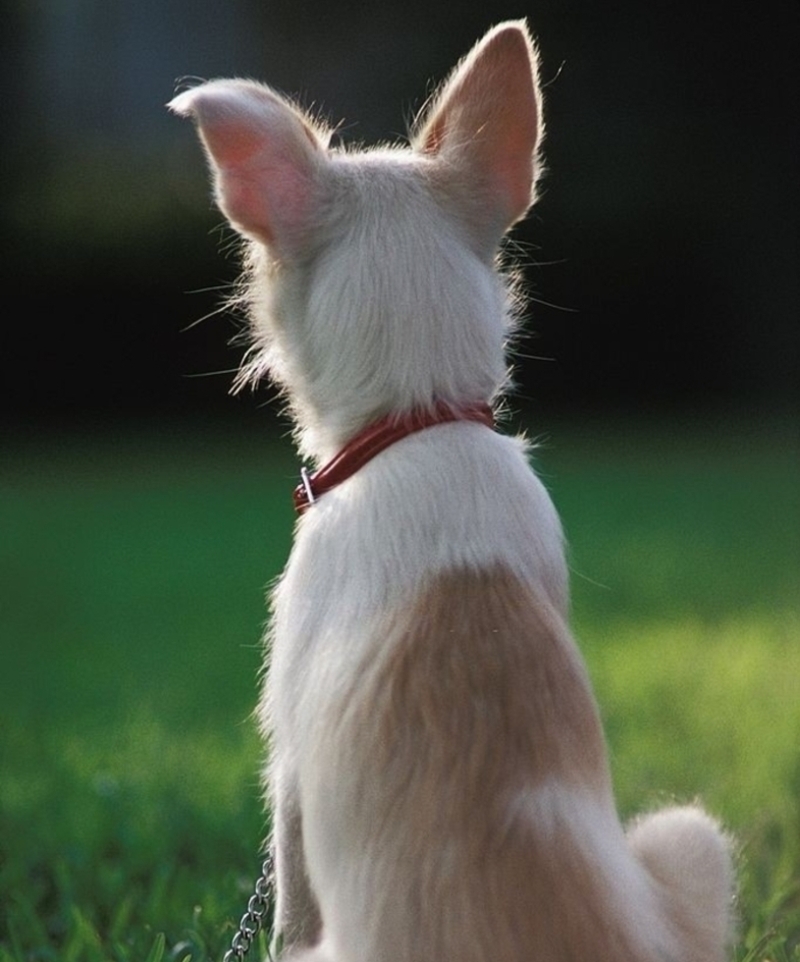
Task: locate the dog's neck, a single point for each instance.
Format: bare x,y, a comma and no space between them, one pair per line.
376,437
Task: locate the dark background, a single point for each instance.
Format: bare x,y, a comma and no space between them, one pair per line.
665,245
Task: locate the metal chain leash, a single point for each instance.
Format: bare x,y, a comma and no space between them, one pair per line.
260,905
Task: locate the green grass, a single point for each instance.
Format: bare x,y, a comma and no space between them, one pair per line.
131,605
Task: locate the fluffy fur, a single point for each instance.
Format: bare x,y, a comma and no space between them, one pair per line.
438,772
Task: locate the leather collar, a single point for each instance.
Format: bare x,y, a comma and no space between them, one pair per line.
376,437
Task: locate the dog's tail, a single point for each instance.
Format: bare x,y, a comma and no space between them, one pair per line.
689,858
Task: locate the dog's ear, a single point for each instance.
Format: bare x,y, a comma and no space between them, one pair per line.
264,154
486,124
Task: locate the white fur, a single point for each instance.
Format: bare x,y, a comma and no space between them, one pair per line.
374,288
419,328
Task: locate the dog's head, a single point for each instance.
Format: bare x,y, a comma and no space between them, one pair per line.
372,280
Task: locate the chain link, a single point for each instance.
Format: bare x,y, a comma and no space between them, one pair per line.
259,906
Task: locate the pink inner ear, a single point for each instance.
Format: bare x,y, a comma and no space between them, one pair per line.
510,157
231,144
264,155
486,120
269,202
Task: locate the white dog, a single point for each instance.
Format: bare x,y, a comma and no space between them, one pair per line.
438,772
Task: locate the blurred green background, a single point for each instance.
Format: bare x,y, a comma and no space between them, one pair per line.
133,573
143,510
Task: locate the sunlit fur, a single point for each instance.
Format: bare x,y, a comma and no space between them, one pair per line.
438,774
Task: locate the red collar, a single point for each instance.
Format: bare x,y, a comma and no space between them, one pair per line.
375,438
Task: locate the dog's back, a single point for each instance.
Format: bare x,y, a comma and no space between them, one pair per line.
448,752
438,769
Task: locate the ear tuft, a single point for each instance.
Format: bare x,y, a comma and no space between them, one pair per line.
486,123
264,153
